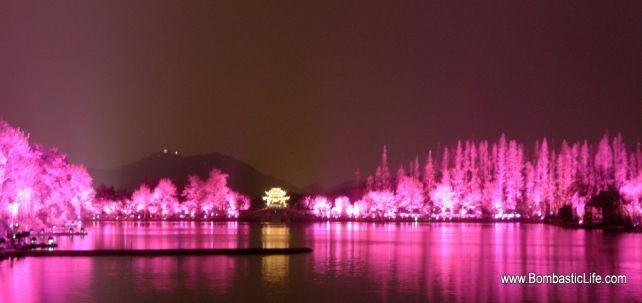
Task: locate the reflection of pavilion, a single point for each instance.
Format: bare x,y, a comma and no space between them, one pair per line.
277,214
275,236
275,269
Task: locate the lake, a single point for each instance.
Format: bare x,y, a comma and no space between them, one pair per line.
351,262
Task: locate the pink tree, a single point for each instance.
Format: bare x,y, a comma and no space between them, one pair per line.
499,156
443,197
80,191
485,175
164,201
501,181
416,171
409,194
380,203
542,190
194,197
604,164
472,198
385,170
140,201
218,199
38,185
620,161
320,206
585,178
514,178
457,175
529,189
429,177
564,176
445,168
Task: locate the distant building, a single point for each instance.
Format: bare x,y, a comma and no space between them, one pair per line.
167,151
276,198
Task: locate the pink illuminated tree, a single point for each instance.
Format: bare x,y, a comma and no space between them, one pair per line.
565,175
513,176
604,164
164,201
445,168
443,197
620,161
485,172
415,169
500,179
542,191
213,196
429,173
458,174
194,196
38,186
139,204
385,170
409,194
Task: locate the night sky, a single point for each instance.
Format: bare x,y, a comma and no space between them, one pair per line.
309,91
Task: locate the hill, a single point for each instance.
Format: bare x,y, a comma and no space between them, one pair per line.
242,177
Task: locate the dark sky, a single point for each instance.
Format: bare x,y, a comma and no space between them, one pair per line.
310,91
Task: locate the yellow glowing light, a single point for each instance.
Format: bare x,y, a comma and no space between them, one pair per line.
276,197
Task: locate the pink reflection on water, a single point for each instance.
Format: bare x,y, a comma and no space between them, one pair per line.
159,235
465,261
26,281
395,262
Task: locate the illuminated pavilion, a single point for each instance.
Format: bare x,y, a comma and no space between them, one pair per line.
276,198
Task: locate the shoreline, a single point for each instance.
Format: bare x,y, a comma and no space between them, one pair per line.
550,221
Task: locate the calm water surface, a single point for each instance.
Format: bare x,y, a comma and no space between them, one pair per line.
351,262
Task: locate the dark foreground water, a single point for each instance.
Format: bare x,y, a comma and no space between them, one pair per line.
351,262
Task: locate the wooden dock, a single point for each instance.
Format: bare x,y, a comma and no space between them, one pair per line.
153,252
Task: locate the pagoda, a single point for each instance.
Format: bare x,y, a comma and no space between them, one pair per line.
276,198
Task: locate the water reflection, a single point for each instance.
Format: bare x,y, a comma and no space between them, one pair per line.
465,261
361,262
274,269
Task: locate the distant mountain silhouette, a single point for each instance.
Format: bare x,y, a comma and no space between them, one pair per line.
242,177
347,188
314,189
